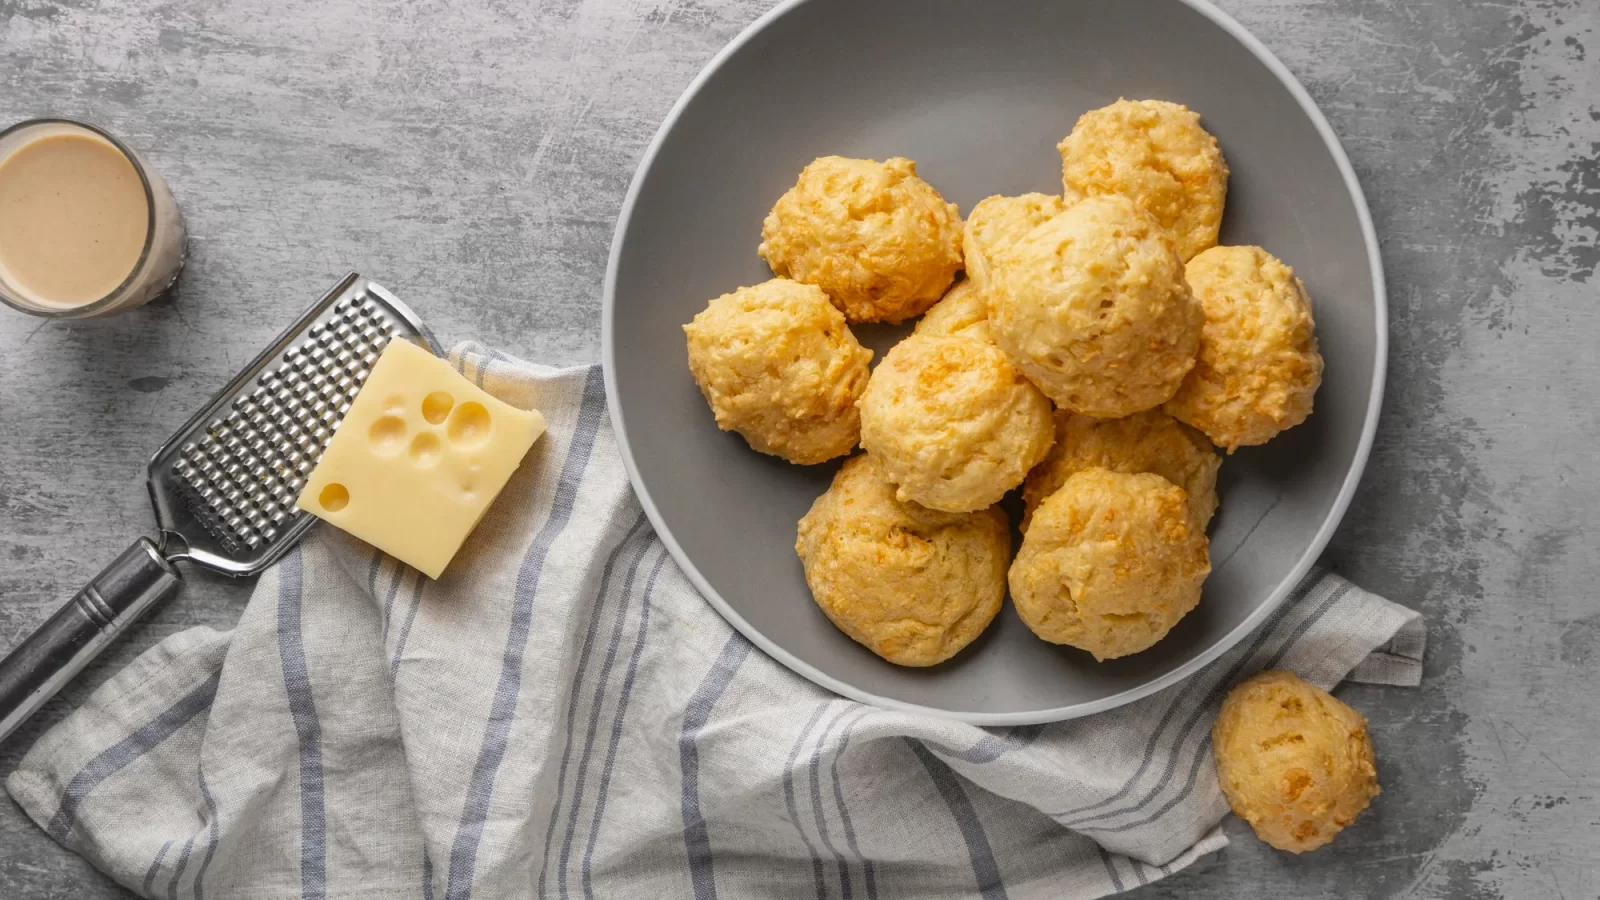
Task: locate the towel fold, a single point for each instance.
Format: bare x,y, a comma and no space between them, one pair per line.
562,715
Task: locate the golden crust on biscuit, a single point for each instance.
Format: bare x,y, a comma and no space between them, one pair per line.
777,363
1151,441
953,422
1156,154
1110,563
962,313
879,240
998,222
1293,761
913,585
1093,307
1258,368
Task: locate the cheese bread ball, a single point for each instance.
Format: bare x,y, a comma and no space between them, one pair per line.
779,365
1293,761
1110,563
878,239
962,313
1093,308
1151,441
1156,154
1258,368
1000,222
914,585
953,422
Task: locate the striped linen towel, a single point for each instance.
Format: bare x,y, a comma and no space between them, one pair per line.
562,715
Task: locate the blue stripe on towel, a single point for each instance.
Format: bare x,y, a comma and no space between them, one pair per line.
696,837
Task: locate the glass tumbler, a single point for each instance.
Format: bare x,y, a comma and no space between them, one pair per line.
86,228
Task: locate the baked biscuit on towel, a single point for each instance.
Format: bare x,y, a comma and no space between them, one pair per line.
1110,563
1093,308
1293,761
1258,368
1151,441
778,364
879,240
998,222
1156,154
953,422
912,584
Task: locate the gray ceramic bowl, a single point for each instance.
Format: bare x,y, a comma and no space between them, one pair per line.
978,92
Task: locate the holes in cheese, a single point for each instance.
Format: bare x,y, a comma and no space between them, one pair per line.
334,497
436,406
469,427
387,435
418,458
425,450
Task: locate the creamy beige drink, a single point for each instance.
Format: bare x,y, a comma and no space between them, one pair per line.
85,229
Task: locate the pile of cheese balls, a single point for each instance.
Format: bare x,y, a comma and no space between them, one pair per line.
1099,349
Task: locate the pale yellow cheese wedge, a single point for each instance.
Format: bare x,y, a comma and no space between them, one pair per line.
418,459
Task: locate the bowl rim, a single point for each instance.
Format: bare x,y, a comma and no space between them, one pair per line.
1030,717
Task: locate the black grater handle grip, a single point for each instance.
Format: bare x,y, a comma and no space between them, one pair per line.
95,617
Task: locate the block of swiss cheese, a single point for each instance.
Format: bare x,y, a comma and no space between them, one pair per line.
418,459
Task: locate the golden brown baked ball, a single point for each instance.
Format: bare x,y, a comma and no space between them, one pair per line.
962,313
1293,761
779,365
1110,563
912,584
1258,368
998,222
1151,441
953,422
1156,154
878,239
1093,308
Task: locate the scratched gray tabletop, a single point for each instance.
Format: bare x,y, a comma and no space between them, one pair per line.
472,155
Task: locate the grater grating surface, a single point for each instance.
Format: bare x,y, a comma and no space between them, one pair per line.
226,484
250,466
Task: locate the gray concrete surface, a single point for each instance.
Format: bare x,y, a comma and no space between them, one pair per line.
473,154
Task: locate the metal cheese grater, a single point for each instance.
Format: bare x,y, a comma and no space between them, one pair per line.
225,485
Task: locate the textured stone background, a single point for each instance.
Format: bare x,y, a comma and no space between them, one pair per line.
473,155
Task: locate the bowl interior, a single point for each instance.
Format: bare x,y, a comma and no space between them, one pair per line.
978,92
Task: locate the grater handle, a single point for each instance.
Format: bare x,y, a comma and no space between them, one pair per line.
97,615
